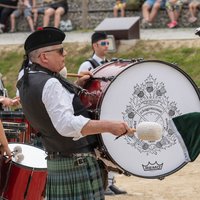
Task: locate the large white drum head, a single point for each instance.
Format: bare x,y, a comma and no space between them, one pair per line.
33,156
148,91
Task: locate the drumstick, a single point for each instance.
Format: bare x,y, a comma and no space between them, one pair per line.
132,131
150,131
74,75
109,78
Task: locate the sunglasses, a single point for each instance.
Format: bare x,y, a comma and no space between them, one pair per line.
104,43
60,50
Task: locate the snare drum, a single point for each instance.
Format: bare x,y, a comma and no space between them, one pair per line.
15,120
25,179
14,135
137,91
3,91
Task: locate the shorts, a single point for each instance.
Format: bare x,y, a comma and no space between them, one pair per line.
176,6
55,5
195,1
41,10
27,12
152,2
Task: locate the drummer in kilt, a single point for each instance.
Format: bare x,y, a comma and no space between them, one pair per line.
53,107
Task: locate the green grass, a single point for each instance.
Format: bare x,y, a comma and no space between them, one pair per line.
186,58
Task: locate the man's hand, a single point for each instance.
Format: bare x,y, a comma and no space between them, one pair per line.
85,77
16,101
9,102
4,150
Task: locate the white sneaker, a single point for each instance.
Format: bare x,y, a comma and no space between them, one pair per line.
2,26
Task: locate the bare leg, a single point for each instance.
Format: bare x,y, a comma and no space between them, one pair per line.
115,11
30,22
177,14
193,12
58,13
154,12
171,15
146,11
12,23
123,9
47,14
195,9
35,16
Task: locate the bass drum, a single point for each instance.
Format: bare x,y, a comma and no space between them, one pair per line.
137,91
25,177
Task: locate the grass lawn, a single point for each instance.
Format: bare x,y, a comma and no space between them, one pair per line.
187,58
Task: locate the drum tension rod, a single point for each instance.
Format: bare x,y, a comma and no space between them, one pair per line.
109,78
95,113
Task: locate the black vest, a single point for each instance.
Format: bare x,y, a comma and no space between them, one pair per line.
30,89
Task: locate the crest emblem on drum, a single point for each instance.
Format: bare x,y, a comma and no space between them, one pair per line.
150,102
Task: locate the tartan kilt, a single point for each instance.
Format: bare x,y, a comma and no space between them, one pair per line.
68,181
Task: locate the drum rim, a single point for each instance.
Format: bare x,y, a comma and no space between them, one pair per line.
12,115
99,103
25,166
131,63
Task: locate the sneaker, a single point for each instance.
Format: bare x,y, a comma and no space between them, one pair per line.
116,190
192,19
108,192
172,24
2,26
12,31
145,24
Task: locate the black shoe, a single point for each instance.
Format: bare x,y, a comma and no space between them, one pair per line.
116,190
108,191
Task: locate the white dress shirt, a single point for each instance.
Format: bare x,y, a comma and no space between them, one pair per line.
87,66
58,103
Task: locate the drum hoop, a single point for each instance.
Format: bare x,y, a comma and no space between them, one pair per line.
100,67
131,62
108,63
5,115
99,103
24,166
144,61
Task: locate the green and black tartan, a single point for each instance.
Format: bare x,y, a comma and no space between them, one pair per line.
68,181
188,126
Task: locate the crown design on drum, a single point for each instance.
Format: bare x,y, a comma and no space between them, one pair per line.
150,102
152,166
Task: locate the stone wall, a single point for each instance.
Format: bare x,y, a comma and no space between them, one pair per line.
101,9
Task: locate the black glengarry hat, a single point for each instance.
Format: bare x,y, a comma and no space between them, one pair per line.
98,36
43,37
197,32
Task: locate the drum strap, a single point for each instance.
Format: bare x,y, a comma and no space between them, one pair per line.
67,84
93,62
